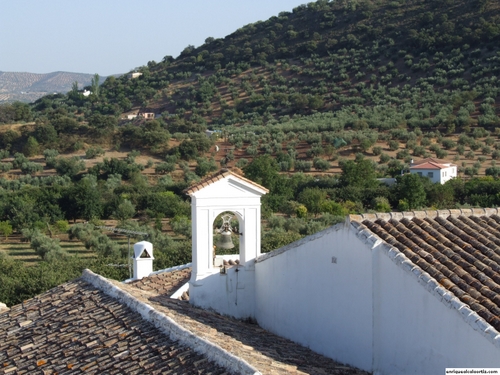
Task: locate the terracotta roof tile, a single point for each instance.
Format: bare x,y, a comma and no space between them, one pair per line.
460,249
220,175
75,327
268,353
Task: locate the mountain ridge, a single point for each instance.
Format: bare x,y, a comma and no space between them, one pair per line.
28,87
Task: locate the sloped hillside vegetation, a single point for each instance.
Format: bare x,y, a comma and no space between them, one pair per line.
315,104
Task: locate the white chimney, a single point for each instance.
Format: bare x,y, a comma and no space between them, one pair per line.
143,259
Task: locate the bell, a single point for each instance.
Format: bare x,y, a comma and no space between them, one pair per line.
225,241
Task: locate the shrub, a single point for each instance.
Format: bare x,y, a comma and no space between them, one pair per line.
94,152
377,150
5,167
384,158
164,167
50,153
321,164
69,166
303,166
393,145
31,168
5,229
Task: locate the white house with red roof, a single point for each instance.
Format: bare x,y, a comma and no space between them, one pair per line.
436,170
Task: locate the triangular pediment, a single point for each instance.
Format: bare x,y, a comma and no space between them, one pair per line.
226,184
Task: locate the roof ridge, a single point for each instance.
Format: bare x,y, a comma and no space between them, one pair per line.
398,215
432,285
217,176
175,331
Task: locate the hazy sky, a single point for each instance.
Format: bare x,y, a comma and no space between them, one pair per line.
116,36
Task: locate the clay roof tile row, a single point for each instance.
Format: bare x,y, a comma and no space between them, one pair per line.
88,331
461,252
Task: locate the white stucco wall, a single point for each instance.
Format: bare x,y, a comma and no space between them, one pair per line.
439,175
370,308
232,293
417,333
317,292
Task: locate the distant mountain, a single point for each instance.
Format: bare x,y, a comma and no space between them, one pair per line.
28,87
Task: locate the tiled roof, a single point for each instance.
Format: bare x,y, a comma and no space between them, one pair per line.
95,325
431,160
431,163
223,173
75,327
164,283
460,249
268,353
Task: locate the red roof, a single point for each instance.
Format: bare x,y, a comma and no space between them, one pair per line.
431,163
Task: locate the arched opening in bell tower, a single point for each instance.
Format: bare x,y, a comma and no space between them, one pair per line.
227,239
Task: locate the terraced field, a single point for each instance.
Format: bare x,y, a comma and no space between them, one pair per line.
20,250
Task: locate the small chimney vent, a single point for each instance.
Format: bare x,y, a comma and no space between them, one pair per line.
143,259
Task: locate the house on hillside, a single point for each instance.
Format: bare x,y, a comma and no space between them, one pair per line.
147,115
388,294
435,169
134,75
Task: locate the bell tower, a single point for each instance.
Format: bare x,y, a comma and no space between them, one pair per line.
230,292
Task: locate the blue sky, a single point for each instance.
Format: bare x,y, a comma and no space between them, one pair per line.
116,36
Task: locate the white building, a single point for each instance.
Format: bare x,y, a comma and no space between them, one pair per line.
399,293
435,169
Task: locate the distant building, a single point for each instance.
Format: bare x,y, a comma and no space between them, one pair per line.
147,115
134,75
436,170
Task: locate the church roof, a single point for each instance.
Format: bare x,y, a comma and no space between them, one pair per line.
220,175
97,325
77,327
455,252
268,353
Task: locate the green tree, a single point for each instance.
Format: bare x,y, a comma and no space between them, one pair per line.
85,200
124,211
263,170
69,166
181,225
47,248
5,229
31,147
313,199
410,189
95,85
361,174
275,239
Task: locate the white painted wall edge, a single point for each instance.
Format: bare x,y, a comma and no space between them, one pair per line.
178,292
300,242
445,296
169,326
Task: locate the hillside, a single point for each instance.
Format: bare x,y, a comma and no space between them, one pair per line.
385,80
28,87
315,104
